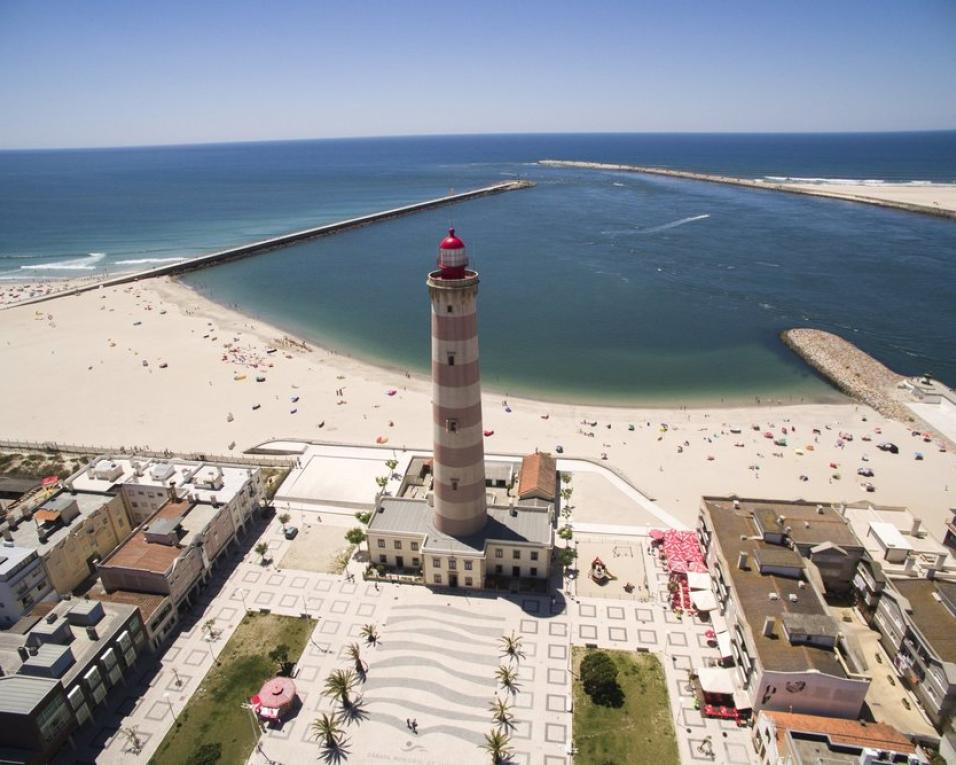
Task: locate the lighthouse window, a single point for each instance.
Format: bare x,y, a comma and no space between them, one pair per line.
452,425
454,484
451,359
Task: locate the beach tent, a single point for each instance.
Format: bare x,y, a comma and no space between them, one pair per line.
724,644
698,581
274,698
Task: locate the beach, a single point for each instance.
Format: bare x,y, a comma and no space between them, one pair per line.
156,365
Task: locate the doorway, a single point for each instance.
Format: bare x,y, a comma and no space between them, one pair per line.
453,580
516,571
399,561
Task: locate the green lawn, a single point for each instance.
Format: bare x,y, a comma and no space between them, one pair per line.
214,713
640,731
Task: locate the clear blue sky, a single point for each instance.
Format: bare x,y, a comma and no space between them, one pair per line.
107,73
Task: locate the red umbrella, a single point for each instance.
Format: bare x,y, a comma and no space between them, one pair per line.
656,534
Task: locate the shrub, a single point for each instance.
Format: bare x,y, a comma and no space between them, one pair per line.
207,754
355,536
599,678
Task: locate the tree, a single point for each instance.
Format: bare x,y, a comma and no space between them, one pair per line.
599,679
328,728
207,754
261,549
284,519
370,633
565,478
566,556
280,655
508,677
566,493
363,518
209,627
339,684
498,745
355,536
132,739
381,481
355,654
391,464
501,712
565,532
511,646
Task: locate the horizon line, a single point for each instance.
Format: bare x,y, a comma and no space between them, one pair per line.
392,136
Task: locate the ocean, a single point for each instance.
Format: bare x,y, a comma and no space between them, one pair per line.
596,286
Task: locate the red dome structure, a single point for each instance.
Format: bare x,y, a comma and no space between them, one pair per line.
452,260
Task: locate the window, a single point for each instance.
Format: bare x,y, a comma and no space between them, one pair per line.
468,565
414,546
534,555
449,309
437,579
467,581
454,484
451,359
436,562
398,544
416,561
381,543
383,559
534,571
451,426
498,569
516,554
452,564
499,553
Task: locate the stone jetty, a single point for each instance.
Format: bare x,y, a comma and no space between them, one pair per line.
755,183
851,370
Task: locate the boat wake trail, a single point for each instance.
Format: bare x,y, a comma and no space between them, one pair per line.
672,224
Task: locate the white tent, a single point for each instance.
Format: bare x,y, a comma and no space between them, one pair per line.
698,581
703,600
716,680
741,700
723,644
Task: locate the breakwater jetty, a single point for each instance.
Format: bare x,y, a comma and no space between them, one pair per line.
756,183
283,240
851,370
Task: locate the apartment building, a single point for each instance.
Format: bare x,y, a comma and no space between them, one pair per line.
59,672
786,646
23,582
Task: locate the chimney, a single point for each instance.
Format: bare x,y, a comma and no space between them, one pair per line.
50,618
8,535
909,564
91,633
915,530
769,625
819,509
24,653
41,534
32,650
70,487
743,561
941,561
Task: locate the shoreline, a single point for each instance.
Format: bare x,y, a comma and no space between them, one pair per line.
157,365
557,398
926,200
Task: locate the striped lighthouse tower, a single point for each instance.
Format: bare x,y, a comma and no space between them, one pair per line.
459,458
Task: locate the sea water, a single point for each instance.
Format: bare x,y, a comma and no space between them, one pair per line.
595,286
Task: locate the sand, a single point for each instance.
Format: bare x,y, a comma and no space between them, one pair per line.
941,196
75,373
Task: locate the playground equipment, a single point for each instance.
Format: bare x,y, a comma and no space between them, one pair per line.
599,572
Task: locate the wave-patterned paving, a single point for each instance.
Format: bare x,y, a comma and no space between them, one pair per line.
436,664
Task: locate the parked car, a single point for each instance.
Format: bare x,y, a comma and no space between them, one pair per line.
865,471
290,532
886,446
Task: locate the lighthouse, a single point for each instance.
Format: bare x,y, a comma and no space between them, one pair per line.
459,458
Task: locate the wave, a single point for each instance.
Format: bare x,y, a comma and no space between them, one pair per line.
848,181
143,261
78,264
673,224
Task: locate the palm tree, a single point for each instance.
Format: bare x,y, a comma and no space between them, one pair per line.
355,654
507,676
261,549
209,627
329,729
284,519
511,646
498,745
370,633
339,684
501,712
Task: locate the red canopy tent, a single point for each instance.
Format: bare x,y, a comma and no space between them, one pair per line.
274,698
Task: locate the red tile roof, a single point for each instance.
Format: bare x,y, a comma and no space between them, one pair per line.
538,476
137,553
852,732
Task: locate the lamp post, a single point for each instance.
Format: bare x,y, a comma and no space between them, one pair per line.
169,701
179,681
